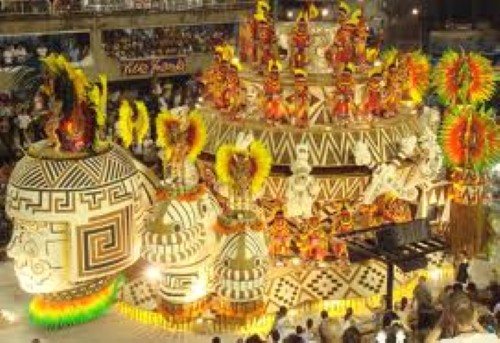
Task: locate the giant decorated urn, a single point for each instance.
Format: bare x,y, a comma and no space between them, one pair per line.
78,204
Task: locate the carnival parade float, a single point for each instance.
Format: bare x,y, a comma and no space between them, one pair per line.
307,142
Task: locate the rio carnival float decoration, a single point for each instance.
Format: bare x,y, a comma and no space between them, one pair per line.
312,134
242,263
470,140
74,190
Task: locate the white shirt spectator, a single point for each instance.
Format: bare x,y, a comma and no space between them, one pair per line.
24,121
162,103
138,149
472,338
8,56
20,54
41,51
496,309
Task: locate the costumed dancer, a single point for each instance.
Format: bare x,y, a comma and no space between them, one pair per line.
343,96
232,95
392,80
266,35
242,168
215,77
373,101
279,236
338,246
341,51
246,40
275,110
300,107
72,116
360,38
313,245
301,37
346,223
133,122
181,137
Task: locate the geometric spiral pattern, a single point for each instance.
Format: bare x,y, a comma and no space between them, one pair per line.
105,243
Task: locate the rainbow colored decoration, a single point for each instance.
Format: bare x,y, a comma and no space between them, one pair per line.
55,314
470,138
419,71
464,78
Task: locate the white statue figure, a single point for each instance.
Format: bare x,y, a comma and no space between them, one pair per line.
384,178
408,146
302,189
362,155
252,103
430,118
431,163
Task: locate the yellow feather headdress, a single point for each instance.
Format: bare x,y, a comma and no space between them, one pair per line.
260,160
127,126
299,73
98,97
235,62
195,129
343,7
274,63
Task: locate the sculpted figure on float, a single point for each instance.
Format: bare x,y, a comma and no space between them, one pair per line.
302,188
78,205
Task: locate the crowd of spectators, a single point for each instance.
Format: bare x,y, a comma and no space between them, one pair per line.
166,41
61,7
19,50
456,313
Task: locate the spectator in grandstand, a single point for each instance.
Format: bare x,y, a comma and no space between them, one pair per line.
460,318
423,298
167,41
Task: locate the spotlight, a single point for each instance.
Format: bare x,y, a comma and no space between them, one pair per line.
415,11
377,63
325,12
289,14
296,261
153,273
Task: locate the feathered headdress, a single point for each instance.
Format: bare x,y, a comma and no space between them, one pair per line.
389,57
226,51
274,64
261,9
235,62
470,138
299,73
254,151
357,15
375,71
193,126
309,12
132,123
344,8
98,96
419,70
462,78
371,54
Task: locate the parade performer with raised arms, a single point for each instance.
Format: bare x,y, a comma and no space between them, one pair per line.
342,109
275,110
181,137
301,37
300,106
